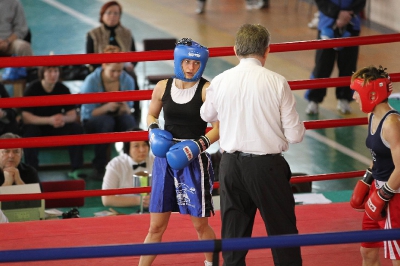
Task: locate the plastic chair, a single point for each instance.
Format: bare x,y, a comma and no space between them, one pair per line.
156,45
67,185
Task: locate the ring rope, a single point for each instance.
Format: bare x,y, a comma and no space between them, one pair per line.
74,194
198,246
99,138
120,191
72,99
329,123
77,59
137,95
80,139
329,82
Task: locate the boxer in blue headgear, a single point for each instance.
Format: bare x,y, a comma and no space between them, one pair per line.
186,48
182,176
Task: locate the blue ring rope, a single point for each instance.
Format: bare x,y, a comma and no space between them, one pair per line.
198,246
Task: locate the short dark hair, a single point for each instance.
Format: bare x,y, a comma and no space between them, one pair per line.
127,145
42,69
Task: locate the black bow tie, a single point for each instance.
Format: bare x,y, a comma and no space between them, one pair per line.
135,166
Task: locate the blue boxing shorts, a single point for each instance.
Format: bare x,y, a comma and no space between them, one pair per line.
187,191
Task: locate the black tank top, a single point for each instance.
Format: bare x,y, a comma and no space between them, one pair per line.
381,154
183,120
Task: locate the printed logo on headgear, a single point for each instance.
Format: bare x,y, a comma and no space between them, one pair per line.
194,54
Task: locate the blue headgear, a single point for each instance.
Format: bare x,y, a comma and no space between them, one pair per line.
188,49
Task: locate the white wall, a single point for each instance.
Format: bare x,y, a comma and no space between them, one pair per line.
384,12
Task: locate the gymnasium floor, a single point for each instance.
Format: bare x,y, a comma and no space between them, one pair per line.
60,27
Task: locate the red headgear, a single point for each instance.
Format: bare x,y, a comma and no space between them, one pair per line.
373,93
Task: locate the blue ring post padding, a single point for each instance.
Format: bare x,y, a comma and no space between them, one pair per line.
198,246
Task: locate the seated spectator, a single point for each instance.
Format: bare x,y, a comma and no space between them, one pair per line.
120,170
111,32
13,29
51,120
12,170
106,117
8,121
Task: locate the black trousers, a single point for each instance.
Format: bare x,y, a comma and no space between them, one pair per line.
346,59
75,152
251,183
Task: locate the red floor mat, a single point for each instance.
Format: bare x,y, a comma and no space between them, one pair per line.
126,229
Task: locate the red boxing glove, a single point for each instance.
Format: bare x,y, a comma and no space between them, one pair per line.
361,191
377,203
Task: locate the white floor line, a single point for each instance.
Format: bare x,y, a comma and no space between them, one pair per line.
72,12
338,147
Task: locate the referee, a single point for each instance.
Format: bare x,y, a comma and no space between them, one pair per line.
258,119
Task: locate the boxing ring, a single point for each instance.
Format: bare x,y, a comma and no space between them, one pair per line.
69,252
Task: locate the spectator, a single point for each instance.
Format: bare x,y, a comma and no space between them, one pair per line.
107,117
13,29
13,171
136,158
337,19
111,32
253,173
51,120
8,121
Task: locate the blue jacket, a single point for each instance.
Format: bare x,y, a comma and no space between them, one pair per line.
329,11
93,83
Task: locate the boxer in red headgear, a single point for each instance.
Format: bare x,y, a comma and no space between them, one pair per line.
372,87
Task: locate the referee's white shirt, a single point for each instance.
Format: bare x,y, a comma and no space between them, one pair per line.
256,109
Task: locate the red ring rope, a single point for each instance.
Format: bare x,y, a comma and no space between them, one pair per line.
35,101
67,140
120,191
76,59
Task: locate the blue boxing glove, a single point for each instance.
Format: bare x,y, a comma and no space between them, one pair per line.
334,32
160,140
327,33
183,153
